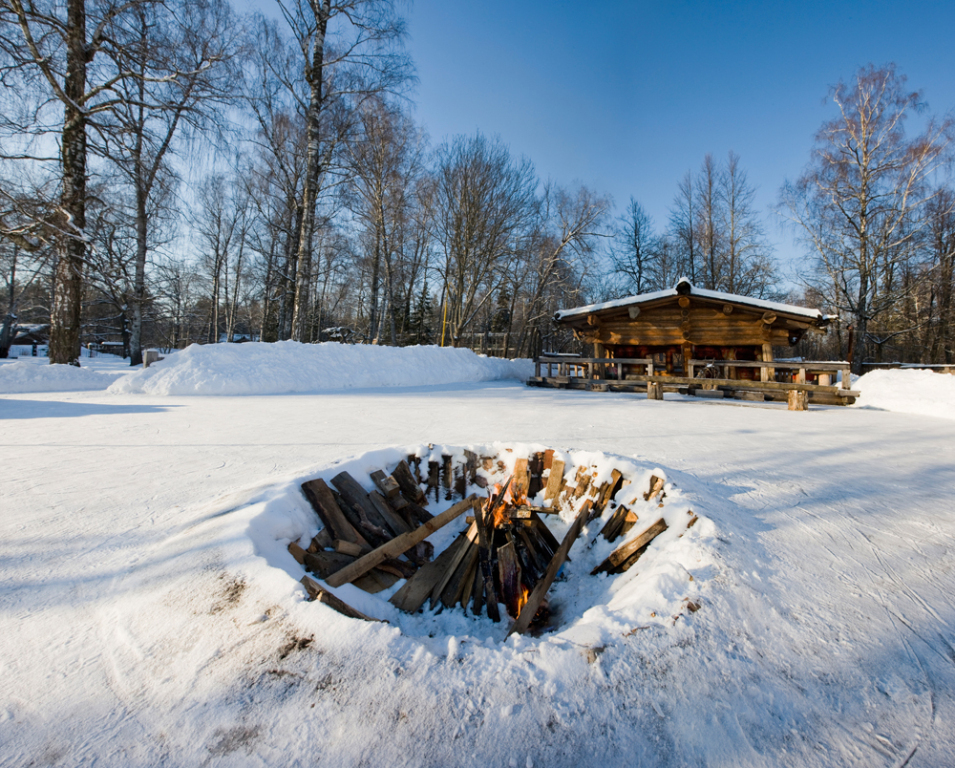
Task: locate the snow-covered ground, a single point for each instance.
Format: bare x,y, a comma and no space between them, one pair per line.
908,391
148,614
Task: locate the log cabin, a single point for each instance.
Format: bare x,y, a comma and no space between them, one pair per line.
684,323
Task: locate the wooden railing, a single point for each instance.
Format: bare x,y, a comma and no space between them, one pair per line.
612,368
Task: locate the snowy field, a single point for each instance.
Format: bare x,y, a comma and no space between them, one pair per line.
149,616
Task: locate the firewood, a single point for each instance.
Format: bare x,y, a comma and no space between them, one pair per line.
460,481
521,482
317,594
400,543
387,485
324,564
608,489
536,597
477,591
450,572
321,540
624,556
536,468
451,594
349,548
358,498
548,459
395,521
409,486
527,536
375,535
417,589
656,487
555,482
434,480
323,502
484,522
549,539
509,573
619,524
583,482
416,515
297,552
447,477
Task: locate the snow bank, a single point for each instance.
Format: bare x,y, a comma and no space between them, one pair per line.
920,392
289,367
17,378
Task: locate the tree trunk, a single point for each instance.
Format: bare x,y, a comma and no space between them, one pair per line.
313,168
68,275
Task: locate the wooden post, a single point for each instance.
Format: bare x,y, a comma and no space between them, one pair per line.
767,374
730,370
801,376
654,390
798,400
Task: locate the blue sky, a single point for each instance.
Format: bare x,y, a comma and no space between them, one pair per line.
626,97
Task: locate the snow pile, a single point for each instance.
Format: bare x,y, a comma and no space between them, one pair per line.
17,378
908,391
289,367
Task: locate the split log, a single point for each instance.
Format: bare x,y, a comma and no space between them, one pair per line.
656,488
390,489
319,595
297,552
434,479
583,481
409,486
451,571
521,482
483,521
619,524
536,597
451,594
548,459
608,489
349,548
400,544
324,564
417,589
323,502
509,574
416,515
622,558
536,468
322,540
357,497
555,481
376,535
477,591
395,521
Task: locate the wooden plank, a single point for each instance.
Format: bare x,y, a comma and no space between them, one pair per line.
454,589
545,533
416,590
534,600
350,548
409,486
317,594
353,493
607,490
323,502
623,557
536,468
583,481
555,481
477,592
400,544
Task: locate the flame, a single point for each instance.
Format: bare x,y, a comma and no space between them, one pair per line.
522,599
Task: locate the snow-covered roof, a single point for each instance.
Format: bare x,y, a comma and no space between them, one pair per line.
685,287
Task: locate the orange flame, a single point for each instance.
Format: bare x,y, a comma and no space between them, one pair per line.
522,600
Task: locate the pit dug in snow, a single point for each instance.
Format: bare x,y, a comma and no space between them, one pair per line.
484,534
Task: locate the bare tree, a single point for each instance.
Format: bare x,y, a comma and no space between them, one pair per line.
861,203
633,250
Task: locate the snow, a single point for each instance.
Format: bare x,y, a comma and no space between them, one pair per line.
20,377
702,293
290,367
150,615
908,391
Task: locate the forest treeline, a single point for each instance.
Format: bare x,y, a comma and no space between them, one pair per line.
172,173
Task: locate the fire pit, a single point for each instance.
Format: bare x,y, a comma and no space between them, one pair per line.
507,557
